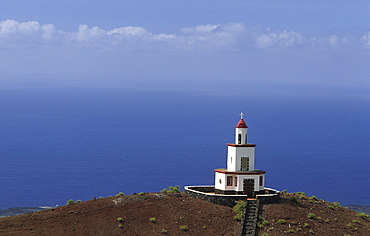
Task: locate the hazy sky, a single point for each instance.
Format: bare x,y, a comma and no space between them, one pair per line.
262,47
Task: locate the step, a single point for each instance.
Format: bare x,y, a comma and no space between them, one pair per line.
250,218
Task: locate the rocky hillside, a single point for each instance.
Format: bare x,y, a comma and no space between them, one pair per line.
298,214
146,214
180,214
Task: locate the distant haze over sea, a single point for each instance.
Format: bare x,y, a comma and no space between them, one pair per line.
61,144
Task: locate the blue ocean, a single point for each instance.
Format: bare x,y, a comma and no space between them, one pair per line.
61,144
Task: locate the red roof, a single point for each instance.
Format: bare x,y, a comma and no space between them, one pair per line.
241,124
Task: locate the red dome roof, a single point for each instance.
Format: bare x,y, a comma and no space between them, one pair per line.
241,124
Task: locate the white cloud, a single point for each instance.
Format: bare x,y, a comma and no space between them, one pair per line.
165,37
13,27
210,36
292,39
336,41
200,29
213,35
366,39
13,33
129,31
49,31
284,39
89,34
333,40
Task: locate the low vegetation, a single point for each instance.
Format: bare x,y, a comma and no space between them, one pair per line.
336,204
172,189
363,216
262,222
184,228
281,221
238,209
293,199
311,215
70,202
120,194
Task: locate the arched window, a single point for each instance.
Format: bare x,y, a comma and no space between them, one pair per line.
239,139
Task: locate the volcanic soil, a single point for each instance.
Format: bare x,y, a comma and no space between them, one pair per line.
148,214
298,214
180,214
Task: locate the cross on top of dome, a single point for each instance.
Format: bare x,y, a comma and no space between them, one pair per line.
241,115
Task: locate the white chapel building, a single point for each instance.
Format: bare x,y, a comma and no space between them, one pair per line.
240,176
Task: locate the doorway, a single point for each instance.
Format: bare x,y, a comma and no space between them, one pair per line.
248,187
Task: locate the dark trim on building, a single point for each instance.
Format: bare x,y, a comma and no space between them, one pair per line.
240,145
255,172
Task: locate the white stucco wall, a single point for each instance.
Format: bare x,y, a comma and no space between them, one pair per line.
240,180
245,152
218,177
243,132
231,158
234,155
256,179
262,187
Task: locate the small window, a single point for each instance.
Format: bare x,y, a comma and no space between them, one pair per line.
239,139
220,181
229,181
261,180
244,165
236,181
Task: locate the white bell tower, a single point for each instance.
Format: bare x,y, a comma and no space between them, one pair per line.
241,131
240,177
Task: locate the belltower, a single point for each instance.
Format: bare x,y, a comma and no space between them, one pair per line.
240,177
241,131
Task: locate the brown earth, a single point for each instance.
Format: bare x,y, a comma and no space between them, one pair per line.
329,219
171,211
100,217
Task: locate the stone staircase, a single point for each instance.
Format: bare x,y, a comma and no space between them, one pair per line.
250,218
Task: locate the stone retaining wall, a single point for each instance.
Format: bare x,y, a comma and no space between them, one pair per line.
207,193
